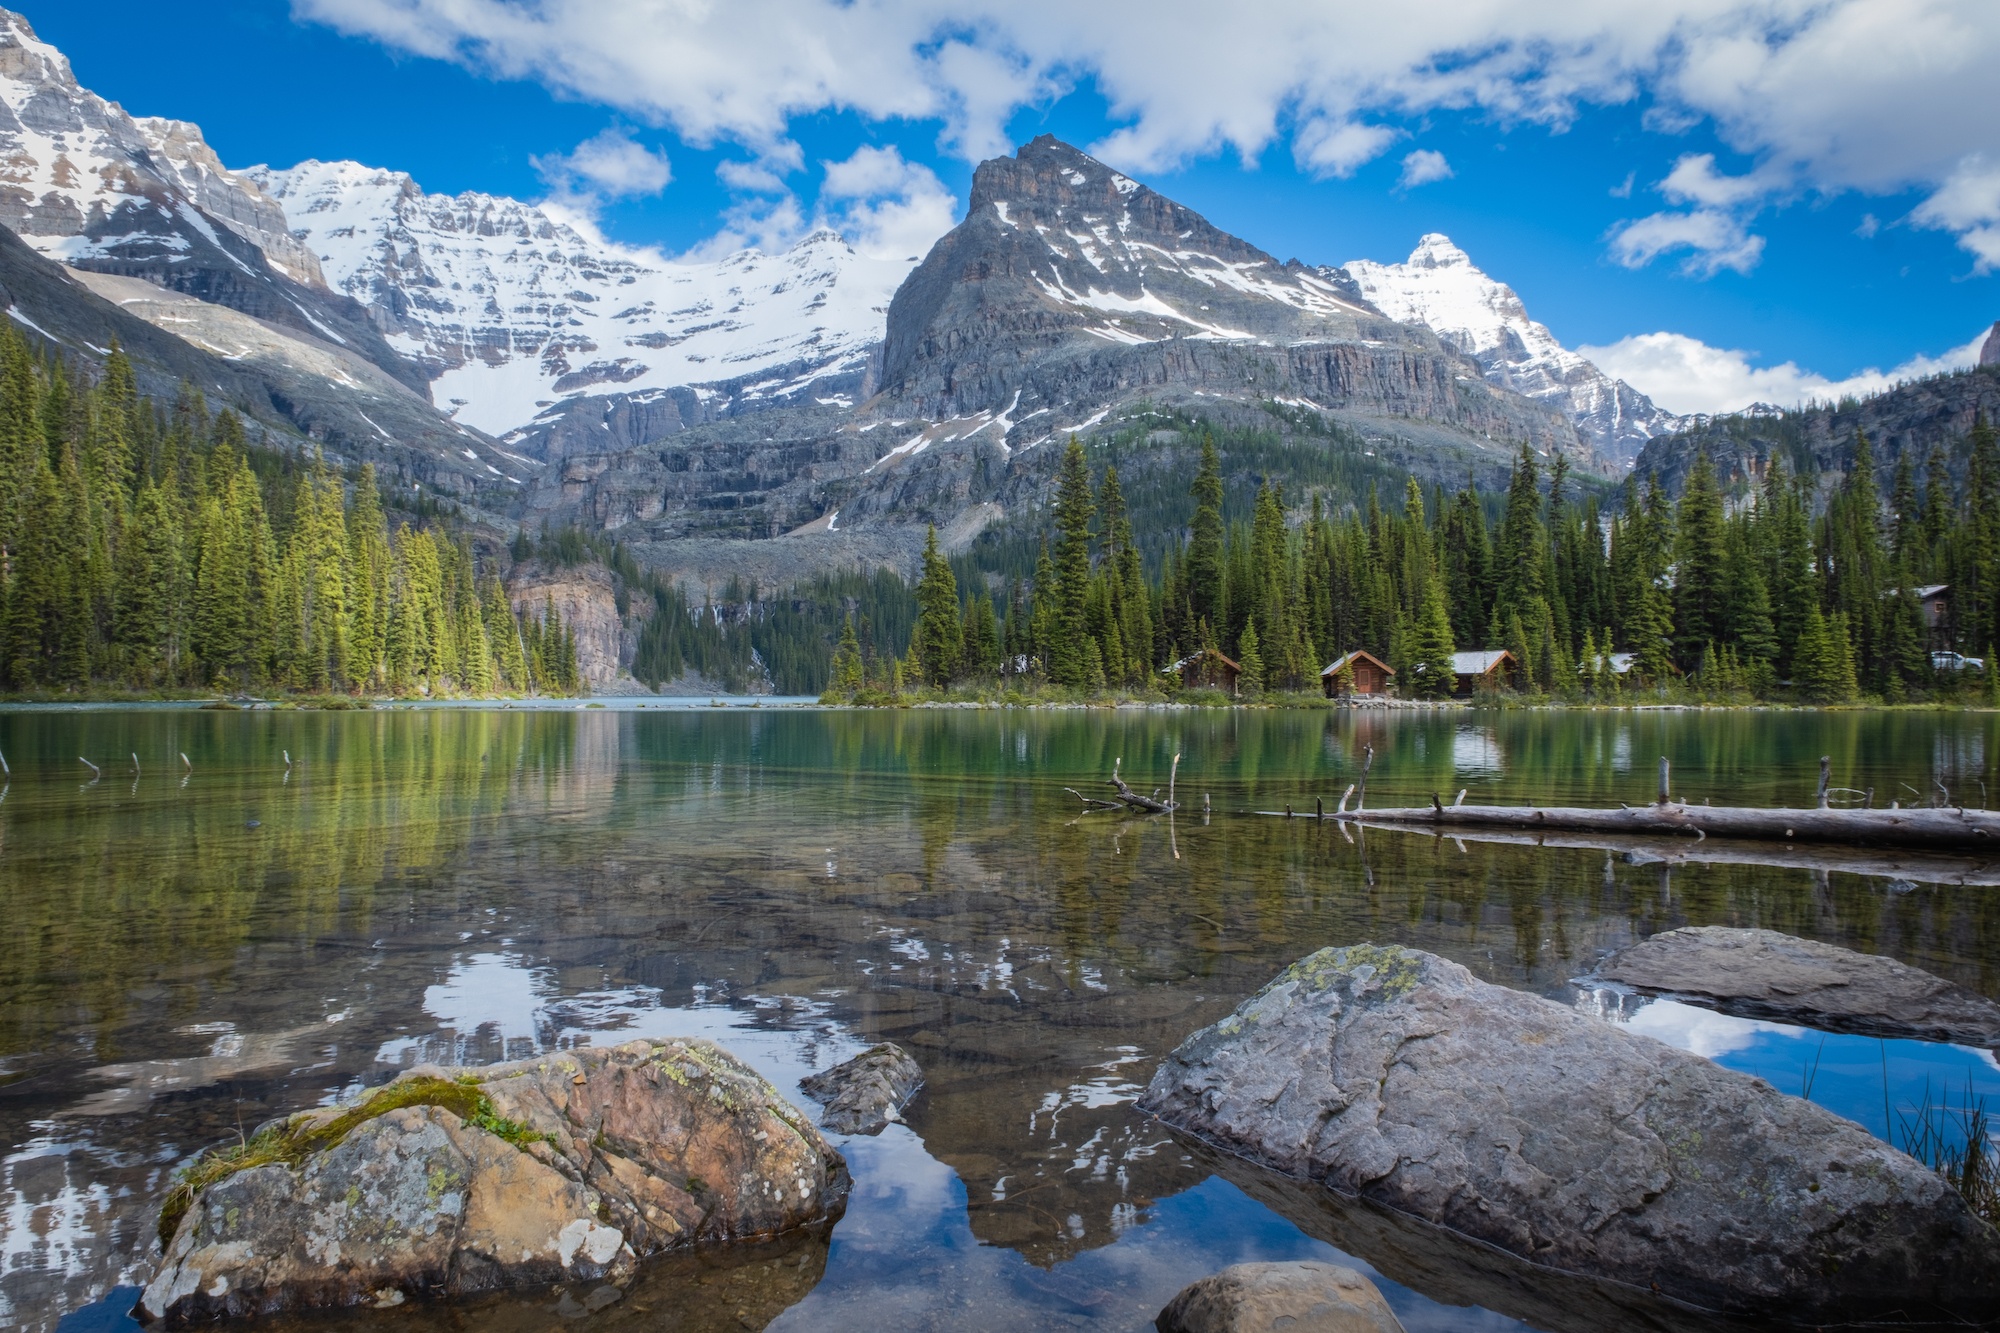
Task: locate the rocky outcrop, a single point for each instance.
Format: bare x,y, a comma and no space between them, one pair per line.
453,1181
584,597
1303,1297
1397,1077
1989,351
1766,974
863,1095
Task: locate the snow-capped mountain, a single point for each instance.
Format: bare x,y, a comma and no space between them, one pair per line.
1440,288
514,311
69,160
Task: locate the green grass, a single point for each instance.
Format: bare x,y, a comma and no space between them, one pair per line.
290,1144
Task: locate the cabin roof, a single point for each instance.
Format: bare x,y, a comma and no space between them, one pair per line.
1333,668
1480,662
1216,653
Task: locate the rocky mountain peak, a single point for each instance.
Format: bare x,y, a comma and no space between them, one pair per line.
1989,353
1441,288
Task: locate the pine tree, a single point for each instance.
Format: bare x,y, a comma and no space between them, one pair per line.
1699,572
847,670
1250,657
1074,508
939,642
1207,593
1430,646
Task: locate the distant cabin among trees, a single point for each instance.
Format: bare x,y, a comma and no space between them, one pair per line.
1208,670
1486,669
1359,672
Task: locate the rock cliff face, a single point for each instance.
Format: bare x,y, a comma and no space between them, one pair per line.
1989,351
583,596
1071,286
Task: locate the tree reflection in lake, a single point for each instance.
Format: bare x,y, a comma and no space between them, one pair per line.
207,948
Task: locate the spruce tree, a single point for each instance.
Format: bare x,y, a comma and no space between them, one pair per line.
1250,657
938,643
1207,593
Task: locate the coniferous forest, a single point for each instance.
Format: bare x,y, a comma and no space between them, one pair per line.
1782,589
152,547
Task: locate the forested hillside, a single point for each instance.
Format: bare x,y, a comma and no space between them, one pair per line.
147,546
1768,597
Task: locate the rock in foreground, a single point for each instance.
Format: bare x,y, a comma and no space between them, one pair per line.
1303,1297
453,1181
1765,974
863,1095
1397,1076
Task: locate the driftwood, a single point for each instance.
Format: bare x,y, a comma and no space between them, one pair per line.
1673,852
1923,828
1127,799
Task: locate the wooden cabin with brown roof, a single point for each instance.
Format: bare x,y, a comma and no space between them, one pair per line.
1208,670
1371,675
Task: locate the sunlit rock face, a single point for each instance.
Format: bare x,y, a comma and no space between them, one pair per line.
567,1168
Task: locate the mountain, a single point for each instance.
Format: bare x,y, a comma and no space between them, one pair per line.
1071,286
1989,351
538,330
92,187
1911,418
1440,288
1071,299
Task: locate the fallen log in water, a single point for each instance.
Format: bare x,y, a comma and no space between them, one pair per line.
1681,850
1127,799
1923,828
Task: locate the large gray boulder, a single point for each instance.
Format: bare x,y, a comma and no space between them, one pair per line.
863,1095
1397,1077
1305,1296
453,1181
1766,974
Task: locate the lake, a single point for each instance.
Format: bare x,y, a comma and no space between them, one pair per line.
252,912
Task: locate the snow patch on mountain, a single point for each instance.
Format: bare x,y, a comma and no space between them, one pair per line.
69,160
1440,288
514,308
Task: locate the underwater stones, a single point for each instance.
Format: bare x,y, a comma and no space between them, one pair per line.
864,1094
1398,1078
1766,974
1306,1296
454,1181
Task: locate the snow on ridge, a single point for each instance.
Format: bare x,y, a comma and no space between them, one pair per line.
514,308
1440,288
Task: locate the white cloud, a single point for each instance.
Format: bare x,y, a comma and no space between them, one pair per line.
1684,374
1969,204
886,206
1422,167
1717,239
608,165
1825,95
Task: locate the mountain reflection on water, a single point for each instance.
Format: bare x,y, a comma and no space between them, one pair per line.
195,948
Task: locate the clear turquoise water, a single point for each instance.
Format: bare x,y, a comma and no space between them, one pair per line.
207,942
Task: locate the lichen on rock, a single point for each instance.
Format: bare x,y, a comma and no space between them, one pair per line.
454,1181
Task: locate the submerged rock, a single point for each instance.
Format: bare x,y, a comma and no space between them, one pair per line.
453,1181
1303,1297
864,1094
1397,1077
1765,974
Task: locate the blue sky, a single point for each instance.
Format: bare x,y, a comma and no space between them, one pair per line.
1834,232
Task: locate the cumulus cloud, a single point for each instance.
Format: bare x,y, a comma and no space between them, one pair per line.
886,206
1969,204
1684,374
609,165
1717,239
1422,167
1826,95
